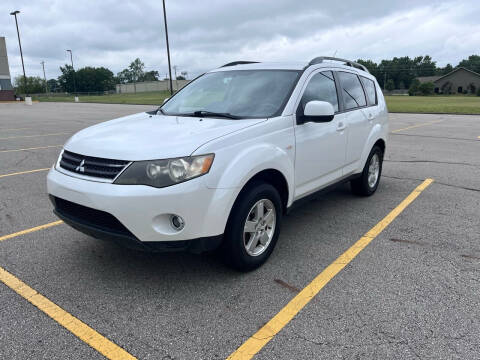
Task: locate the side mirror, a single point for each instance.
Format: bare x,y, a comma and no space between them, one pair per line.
165,100
318,111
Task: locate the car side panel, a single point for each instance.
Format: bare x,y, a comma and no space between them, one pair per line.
378,130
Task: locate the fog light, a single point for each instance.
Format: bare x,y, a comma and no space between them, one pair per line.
177,222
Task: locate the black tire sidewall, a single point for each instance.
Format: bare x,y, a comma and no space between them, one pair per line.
234,250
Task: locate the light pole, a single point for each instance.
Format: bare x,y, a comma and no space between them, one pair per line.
168,47
14,13
74,85
175,67
44,77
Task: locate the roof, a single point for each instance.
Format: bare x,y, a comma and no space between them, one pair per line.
425,79
458,69
285,66
265,66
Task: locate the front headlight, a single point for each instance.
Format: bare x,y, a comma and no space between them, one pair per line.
162,173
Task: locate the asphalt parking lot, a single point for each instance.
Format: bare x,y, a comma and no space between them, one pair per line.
412,292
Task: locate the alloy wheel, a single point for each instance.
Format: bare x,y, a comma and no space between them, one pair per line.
259,227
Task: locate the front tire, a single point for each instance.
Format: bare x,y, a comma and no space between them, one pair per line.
253,227
367,183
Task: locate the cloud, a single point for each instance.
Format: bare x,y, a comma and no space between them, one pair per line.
205,35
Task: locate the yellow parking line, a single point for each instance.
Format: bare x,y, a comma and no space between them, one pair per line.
30,136
28,231
23,172
418,125
255,343
33,148
78,328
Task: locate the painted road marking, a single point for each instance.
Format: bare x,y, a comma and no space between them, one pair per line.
254,344
28,231
78,328
30,136
33,148
23,172
418,125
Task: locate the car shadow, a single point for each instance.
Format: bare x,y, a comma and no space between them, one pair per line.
194,267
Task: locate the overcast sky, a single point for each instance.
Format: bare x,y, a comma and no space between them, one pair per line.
206,34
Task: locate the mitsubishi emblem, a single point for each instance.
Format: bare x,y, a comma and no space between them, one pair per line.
81,167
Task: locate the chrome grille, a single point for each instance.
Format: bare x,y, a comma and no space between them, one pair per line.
92,166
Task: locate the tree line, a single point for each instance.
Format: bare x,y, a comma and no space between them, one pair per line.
88,79
396,73
400,72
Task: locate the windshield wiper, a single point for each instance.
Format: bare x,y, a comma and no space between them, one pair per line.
205,113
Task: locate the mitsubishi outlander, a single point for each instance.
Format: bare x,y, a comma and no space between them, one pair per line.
223,160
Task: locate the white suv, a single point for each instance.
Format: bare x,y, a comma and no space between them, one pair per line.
221,161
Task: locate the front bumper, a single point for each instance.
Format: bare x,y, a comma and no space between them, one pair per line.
144,211
101,225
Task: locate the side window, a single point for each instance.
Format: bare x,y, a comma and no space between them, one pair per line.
321,87
353,95
370,90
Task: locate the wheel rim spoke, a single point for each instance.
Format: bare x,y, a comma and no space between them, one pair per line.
269,217
260,210
250,226
252,243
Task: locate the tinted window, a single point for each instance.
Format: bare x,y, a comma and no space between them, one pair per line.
243,93
353,95
321,87
369,87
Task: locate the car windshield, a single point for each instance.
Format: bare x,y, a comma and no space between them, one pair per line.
234,94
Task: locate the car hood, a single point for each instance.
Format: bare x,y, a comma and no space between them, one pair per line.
148,137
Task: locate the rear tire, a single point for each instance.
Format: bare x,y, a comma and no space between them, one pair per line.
367,183
253,227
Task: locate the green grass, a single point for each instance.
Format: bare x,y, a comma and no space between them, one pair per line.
434,104
144,98
413,104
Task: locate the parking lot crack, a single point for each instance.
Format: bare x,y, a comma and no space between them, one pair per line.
432,162
436,182
435,137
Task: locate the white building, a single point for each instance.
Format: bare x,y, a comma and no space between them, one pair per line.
6,89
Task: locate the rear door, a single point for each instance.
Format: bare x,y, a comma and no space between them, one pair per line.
320,147
358,121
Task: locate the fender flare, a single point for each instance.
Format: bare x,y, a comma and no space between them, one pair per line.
265,157
375,135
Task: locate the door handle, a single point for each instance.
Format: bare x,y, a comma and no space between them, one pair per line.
370,117
341,126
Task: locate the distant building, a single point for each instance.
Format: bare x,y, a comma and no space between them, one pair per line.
458,81
159,85
6,88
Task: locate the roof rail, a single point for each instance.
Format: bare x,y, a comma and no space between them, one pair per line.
240,63
354,64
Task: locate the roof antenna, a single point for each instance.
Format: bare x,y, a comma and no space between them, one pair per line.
335,53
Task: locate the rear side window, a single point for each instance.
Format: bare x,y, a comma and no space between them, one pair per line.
322,88
369,87
353,95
